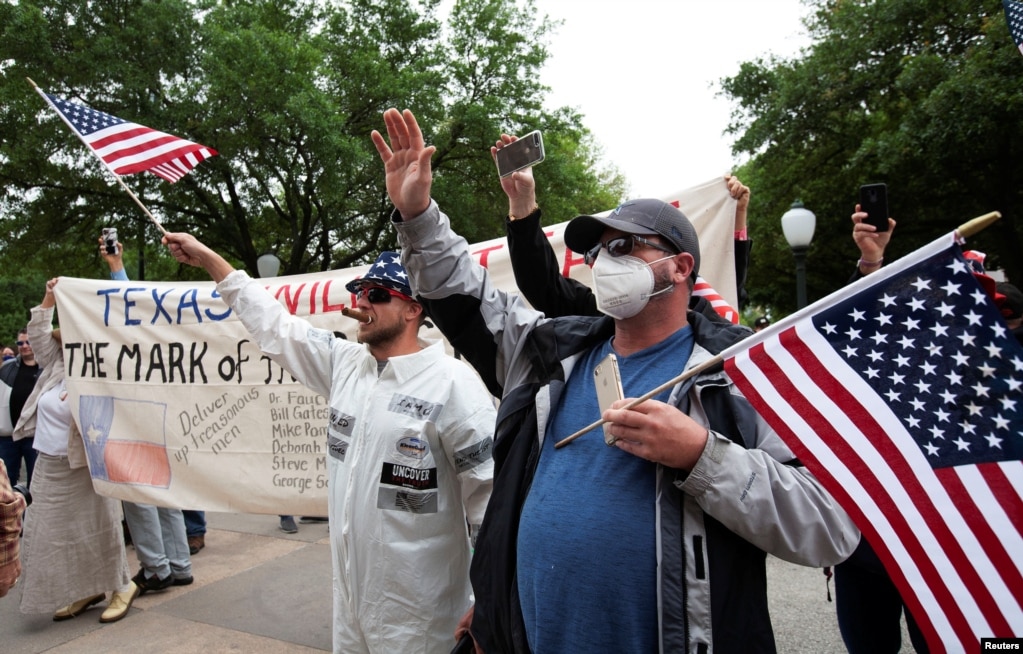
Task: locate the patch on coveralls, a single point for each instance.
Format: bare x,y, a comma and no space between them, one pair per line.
404,488
477,453
413,446
414,407
339,434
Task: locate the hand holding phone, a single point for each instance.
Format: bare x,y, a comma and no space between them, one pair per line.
523,153
608,382
874,201
110,239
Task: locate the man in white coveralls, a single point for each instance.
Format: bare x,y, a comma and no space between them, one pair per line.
409,441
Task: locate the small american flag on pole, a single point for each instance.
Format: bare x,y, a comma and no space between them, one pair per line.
903,394
127,147
1014,16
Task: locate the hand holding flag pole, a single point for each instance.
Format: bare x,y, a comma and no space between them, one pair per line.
964,231
126,148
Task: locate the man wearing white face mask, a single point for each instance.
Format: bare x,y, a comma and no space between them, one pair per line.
657,543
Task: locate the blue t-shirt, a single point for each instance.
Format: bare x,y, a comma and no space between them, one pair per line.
587,560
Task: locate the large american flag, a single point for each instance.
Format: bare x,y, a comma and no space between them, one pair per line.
127,147
1014,16
902,394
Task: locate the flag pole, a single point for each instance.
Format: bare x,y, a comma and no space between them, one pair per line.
971,227
695,370
116,176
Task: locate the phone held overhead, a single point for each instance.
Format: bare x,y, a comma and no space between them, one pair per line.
874,201
523,153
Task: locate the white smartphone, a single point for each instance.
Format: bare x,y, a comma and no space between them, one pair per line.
608,382
523,153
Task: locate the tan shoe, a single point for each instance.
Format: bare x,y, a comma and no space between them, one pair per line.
119,604
77,608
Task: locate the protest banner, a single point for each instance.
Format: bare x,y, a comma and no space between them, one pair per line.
179,408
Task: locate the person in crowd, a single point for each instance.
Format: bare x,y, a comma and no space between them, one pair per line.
535,265
868,605
195,529
73,551
1012,308
7,353
12,506
410,438
17,379
157,533
696,488
761,323
287,524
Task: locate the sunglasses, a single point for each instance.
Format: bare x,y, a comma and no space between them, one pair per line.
20,343
621,246
379,294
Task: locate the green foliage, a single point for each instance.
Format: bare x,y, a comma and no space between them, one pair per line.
287,91
920,94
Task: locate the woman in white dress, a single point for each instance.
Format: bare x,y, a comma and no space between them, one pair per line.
73,548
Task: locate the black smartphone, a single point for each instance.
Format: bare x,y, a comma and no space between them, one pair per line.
874,201
523,153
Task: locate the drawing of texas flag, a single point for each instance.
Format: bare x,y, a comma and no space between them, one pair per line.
125,440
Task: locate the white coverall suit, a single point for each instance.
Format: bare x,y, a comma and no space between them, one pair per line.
410,465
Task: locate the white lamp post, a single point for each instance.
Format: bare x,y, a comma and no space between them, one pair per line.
268,265
798,224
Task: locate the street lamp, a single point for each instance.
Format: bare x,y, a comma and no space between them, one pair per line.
797,224
268,265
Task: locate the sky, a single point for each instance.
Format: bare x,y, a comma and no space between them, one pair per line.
644,74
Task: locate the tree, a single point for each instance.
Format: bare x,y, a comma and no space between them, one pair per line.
287,91
920,94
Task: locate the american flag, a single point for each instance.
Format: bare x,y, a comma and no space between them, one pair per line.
902,394
1014,17
129,148
703,289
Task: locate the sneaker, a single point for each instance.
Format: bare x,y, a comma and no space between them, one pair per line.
308,519
119,604
196,543
182,581
288,525
77,608
147,584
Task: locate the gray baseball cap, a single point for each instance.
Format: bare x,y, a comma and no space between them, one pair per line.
644,216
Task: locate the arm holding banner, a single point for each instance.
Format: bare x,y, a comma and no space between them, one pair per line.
743,245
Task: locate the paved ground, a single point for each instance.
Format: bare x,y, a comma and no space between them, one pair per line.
258,590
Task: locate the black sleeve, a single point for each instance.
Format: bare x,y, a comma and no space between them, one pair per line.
538,275
742,250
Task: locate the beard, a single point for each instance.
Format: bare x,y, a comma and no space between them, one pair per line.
662,282
378,333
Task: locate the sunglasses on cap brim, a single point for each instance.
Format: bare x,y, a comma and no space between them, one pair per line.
380,294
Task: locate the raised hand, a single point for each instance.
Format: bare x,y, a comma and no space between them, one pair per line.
406,162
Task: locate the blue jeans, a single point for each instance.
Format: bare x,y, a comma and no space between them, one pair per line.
869,606
158,534
195,522
12,452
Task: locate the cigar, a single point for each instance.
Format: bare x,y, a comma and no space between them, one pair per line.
357,314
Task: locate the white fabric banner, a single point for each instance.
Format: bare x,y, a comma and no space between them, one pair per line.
178,407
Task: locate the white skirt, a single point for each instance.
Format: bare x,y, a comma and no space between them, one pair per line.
73,547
